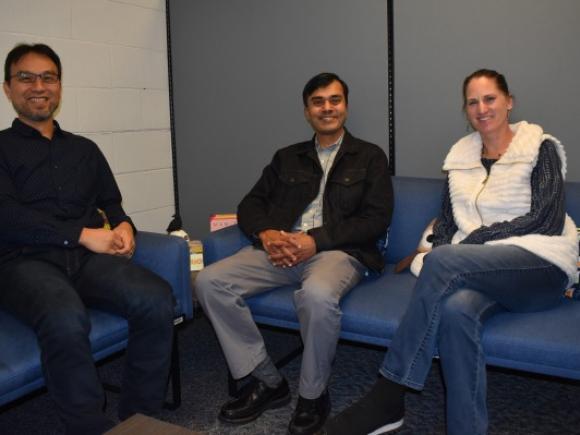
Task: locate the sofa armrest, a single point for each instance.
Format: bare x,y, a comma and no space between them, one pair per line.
168,257
223,243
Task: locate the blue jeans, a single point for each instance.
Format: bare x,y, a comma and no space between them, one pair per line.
51,290
460,286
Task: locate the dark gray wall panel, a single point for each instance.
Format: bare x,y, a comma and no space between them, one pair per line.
437,43
238,72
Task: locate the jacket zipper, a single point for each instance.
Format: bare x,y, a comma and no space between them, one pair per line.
477,197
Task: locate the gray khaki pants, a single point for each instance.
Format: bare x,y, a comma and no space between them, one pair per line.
324,279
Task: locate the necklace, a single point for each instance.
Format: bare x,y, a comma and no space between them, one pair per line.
488,155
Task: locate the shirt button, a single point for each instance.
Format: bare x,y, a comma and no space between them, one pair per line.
65,243
55,166
59,188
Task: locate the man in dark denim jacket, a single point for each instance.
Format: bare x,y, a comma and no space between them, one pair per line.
315,216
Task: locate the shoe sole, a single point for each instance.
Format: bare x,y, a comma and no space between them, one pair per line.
277,403
387,428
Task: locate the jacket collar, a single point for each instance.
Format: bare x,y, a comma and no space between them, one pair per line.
349,145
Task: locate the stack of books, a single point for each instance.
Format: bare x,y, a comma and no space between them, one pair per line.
195,255
222,220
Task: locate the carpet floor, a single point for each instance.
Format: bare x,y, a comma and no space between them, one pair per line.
519,403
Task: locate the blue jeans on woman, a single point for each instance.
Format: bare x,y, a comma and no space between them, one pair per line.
459,288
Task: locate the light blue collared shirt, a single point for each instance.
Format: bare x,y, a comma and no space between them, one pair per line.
312,215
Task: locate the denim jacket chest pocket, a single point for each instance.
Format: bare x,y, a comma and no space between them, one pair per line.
294,187
346,189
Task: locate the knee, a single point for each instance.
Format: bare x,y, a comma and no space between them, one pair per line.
215,287
63,324
439,257
443,265
205,284
154,302
463,308
318,298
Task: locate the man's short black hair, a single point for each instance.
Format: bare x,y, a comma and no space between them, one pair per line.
322,80
22,50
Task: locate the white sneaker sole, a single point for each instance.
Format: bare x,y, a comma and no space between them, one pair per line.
387,428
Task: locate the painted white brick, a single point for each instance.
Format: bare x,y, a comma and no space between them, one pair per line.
7,113
155,109
138,68
91,20
67,111
85,64
155,220
129,67
126,109
157,75
146,190
105,143
94,109
151,4
39,17
142,151
147,27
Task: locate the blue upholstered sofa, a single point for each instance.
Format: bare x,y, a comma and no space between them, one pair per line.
546,342
20,371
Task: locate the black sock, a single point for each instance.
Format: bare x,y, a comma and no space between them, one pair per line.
267,372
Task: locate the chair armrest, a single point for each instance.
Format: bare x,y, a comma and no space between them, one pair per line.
168,257
223,243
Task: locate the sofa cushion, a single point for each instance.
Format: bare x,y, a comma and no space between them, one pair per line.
417,202
20,371
542,342
371,314
547,342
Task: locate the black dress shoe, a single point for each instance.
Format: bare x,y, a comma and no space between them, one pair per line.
310,415
254,399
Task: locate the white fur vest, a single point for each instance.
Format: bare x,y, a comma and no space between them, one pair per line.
481,199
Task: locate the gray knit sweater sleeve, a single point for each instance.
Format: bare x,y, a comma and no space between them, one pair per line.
444,226
547,211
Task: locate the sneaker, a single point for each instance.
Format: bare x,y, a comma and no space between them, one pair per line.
373,414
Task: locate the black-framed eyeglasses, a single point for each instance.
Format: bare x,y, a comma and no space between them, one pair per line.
334,100
27,77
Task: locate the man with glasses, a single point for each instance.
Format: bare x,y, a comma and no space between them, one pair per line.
315,217
57,256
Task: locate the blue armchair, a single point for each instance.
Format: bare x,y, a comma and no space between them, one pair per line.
20,370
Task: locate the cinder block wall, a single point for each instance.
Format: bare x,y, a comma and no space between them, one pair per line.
115,88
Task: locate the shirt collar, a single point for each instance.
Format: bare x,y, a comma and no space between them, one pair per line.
329,148
27,130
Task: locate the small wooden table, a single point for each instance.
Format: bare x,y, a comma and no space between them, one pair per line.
140,424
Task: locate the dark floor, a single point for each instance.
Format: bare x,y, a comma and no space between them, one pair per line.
518,403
